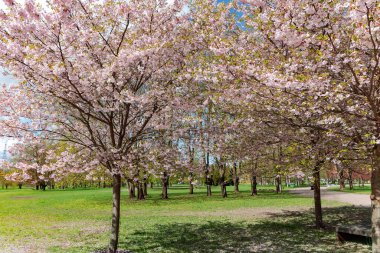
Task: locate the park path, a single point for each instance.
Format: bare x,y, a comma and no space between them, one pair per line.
349,198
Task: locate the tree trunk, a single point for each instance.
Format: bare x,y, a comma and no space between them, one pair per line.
165,184
145,188
164,191
209,179
236,179
341,180
254,185
191,186
140,191
375,200
209,192
375,225
131,189
317,196
254,180
350,181
224,189
278,184
223,185
208,183
145,185
114,240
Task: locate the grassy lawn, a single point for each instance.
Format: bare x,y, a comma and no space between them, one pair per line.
78,221
357,189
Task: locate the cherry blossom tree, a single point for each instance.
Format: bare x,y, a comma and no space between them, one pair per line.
290,60
17,177
31,159
331,46
95,74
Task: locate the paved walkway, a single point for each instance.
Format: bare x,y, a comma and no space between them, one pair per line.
350,198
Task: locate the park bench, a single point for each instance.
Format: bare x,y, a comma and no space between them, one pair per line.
354,233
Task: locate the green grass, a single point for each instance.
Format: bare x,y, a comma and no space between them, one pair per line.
357,189
78,221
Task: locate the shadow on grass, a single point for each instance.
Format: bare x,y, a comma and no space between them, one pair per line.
288,232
